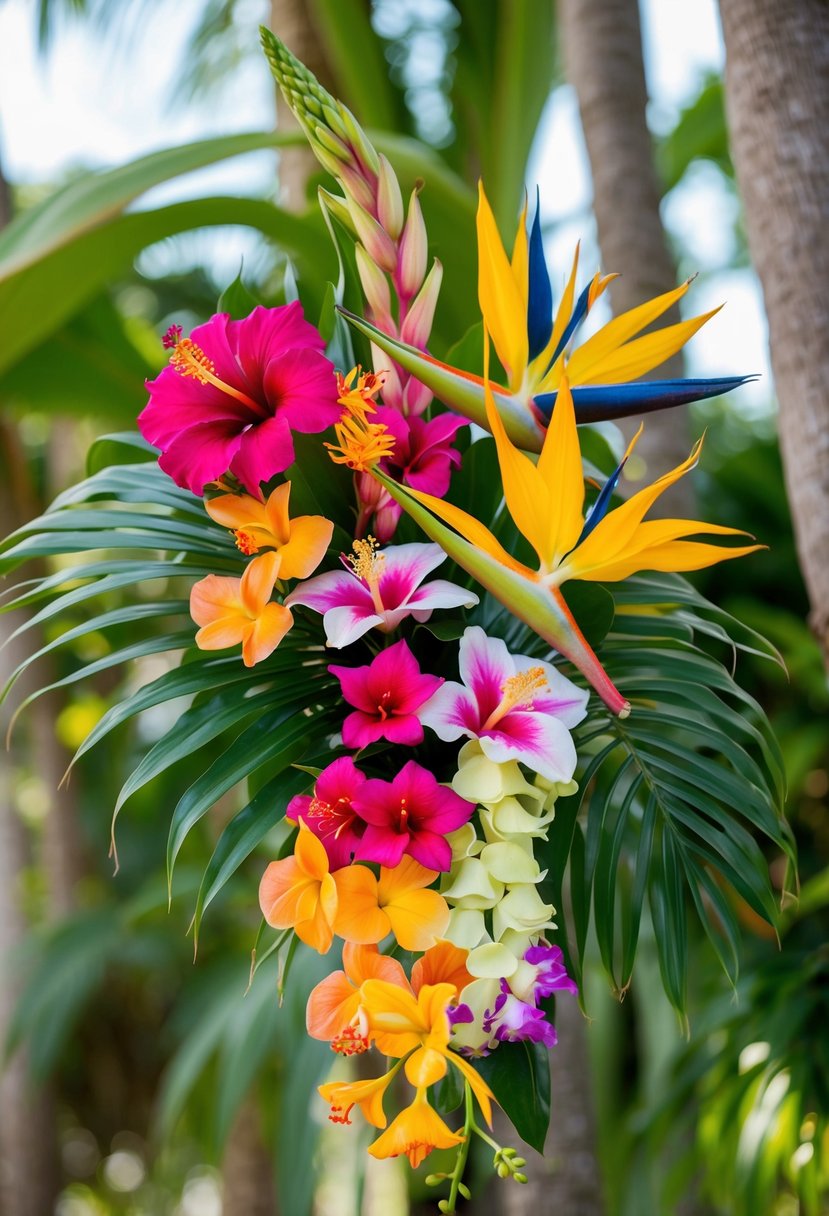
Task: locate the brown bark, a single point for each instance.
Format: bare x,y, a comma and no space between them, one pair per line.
777,98
246,1169
603,60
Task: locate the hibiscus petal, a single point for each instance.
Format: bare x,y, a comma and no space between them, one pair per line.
382,845
542,743
301,388
260,336
178,403
264,449
430,850
201,454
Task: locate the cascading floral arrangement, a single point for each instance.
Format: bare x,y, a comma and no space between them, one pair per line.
439,746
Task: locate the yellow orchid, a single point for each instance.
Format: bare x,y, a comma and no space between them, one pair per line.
300,542
546,502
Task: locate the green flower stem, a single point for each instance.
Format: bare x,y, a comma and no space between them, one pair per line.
450,1205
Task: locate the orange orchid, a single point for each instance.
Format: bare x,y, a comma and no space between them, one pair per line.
233,610
343,1096
334,1003
418,1028
300,543
416,1131
299,893
370,908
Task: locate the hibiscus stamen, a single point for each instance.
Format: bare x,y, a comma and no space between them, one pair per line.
335,818
340,1114
518,691
190,361
368,564
245,542
351,1041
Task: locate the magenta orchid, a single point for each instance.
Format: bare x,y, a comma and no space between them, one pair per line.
423,457
234,392
550,973
379,588
329,812
514,1021
386,694
411,814
519,708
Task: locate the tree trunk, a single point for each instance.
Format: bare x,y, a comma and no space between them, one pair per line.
777,98
293,23
247,1172
603,60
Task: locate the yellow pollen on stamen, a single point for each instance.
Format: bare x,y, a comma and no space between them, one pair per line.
368,564
245,542
519,690
190,361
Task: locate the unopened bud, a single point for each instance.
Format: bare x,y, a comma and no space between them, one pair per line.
378,243
392,388
509,1152
332,117
416,397
434,1179
356,187
327,159
520,1177
519,1161
337,207
359,140
375,285
503,1170
443,1206
413,250
418,322
389,199
464,1190
330,141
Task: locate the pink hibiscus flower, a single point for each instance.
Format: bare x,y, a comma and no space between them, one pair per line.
379,589
518,707
234,392
386,695
329,812
411,814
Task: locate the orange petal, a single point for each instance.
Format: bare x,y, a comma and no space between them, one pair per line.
214,597
442,963
310,538
279,892
276,514
236,511
310,854
367,963
416,1131
316,932
218,635
484,1095
265,633
358,918
331,1006
407,875
418,918
425,1067
258,581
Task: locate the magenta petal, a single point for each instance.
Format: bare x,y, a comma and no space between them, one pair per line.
214,339
404,569
405,730
179,402
335,589
431,850
361,729
260,336
201,454
382,846
264,450
375,802
541,742
301,386
355,688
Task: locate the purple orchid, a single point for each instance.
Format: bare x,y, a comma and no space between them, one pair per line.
386,695
233,394
410,815
379,589
329,812
514,1021
550,973
518,707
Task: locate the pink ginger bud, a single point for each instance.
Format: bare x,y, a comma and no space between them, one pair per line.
389,199
378,243
392,386
418,322
416,397
376,288
337,207
413,249
356,186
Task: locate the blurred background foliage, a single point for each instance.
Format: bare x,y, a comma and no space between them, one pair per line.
156,1085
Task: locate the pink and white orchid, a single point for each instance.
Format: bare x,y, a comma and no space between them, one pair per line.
379,588
387,695
519,708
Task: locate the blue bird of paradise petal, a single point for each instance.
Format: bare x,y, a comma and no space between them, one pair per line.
608,402
539,293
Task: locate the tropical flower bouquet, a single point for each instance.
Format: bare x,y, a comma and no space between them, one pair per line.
472,699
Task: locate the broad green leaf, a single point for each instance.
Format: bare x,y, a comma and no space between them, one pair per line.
519,1076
